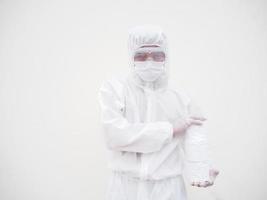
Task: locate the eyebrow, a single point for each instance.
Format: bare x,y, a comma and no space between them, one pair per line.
149,46
158,51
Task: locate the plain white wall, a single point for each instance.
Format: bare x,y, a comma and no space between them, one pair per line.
55,54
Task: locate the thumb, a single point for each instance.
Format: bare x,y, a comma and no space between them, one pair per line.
213,174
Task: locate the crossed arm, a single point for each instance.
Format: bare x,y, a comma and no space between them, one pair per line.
121,135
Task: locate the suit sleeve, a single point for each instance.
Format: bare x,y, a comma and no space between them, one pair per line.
121,135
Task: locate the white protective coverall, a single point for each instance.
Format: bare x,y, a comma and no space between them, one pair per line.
146,161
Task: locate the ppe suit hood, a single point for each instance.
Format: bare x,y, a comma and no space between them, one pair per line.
142,36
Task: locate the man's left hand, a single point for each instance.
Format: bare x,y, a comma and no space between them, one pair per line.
213,174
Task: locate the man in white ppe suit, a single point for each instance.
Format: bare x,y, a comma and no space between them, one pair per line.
153,132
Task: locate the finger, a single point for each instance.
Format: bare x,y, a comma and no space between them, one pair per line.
213,174
199,118
207,183
210,183
216,172
194,184
203,184
196,122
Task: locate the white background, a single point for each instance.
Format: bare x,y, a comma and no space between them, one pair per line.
55,54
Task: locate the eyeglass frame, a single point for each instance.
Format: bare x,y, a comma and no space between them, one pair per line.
149,51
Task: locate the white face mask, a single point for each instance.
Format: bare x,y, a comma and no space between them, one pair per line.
149,70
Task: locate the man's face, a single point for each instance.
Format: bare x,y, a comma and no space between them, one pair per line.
149,62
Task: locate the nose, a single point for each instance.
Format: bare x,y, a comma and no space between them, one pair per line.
149,58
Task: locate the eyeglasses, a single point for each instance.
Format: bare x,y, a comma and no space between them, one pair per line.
157,56
154,52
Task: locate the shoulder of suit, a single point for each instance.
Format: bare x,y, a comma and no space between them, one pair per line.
114,84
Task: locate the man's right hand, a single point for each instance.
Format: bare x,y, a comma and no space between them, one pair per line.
182,124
